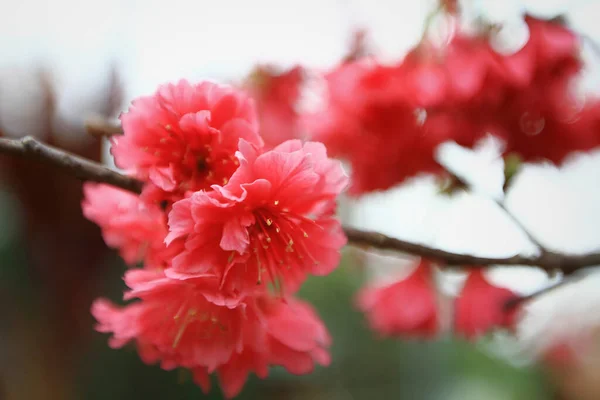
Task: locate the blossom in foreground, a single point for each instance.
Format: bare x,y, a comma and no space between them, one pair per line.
289,334
481,307
173,322
407,307
183,138
133,227
272,223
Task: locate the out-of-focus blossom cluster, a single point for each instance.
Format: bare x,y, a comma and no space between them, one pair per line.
388,120
409,307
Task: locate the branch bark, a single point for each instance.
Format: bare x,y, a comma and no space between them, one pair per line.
549,261
80,167
91,171
100,127
576,277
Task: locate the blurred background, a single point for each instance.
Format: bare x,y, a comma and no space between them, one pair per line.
65,61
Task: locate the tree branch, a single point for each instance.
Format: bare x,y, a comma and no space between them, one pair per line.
458,182
91,171
512,303
549,261
100,127
80,167
522,227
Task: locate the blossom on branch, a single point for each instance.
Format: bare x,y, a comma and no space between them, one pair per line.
481,307
175,324
289,333
388,121
135,228
241,221
272,223
406,308
228,226
184,137
277,95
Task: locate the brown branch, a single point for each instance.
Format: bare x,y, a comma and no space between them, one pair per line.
458,183
522,227
89,170
512,303
549,261
80,167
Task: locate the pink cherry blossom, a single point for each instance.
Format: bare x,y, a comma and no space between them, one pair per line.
287,332
272,223
184,137
133,227
407,307
480,307
173,323
277,94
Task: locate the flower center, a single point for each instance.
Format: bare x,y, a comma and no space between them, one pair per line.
206,325
278,241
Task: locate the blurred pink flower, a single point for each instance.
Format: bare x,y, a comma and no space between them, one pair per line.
407,307
481,307
277,95
388,121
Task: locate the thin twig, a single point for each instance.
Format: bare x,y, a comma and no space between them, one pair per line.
512,303
522,227
464,185
92,171
81,168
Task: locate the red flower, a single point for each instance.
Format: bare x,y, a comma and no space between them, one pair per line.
480,307
296,337
137,229
272,223
389,120
174,323
376,118
277,95
405,308
183,138
234,373
288,333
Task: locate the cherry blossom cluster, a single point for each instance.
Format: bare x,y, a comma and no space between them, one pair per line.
277,95
223,234
237,211
388,120
479,308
